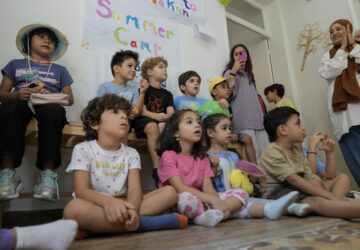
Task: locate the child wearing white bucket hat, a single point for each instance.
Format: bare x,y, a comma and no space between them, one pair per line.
35,75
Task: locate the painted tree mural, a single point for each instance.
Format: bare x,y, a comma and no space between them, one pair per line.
309,39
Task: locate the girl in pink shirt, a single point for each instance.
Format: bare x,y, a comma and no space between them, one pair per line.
186,167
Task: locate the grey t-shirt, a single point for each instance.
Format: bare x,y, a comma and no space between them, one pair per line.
246,109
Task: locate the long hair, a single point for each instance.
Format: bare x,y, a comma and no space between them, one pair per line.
248,66
167,141
210,122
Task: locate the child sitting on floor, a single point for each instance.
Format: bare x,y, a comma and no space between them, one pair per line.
220,89
287,168
184,166
337,183
35,75
105,170
217,134
158,107
275,93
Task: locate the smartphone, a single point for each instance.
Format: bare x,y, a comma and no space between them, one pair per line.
242,56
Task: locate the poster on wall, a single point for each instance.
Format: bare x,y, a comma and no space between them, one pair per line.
127,25
182,11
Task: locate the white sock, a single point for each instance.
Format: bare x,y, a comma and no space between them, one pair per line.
299,209
56,235
274,210
209,218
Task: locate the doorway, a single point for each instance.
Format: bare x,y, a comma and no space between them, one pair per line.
246,26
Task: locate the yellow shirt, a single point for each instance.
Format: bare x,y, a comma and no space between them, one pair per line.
279,164
285,102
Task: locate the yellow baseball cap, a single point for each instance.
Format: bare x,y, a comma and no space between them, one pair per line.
218,80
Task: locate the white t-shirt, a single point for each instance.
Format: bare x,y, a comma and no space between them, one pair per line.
108,170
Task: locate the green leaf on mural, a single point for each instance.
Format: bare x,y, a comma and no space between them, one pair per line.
225,2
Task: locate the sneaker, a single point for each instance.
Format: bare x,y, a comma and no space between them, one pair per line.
354,195
10,184
47,188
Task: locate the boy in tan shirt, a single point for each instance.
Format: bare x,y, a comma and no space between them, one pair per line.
287,168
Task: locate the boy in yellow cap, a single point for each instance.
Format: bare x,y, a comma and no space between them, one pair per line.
221,89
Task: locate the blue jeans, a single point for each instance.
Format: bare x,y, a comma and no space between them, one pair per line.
350,148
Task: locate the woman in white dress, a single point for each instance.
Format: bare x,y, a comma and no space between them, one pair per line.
341,68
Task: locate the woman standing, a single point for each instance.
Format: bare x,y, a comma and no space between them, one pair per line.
247,113
340,67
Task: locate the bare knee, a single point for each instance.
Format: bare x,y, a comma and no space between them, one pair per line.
161,126
74,209
152,129
247,140
343,178
169,193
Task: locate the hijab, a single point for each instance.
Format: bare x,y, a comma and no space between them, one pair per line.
346,89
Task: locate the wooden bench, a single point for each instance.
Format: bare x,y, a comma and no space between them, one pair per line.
73,134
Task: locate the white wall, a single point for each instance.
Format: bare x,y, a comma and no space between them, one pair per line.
206,56
286,20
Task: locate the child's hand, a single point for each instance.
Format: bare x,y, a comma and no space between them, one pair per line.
143,86
44,91
133,222
35,89
214,160
224,103
328,144
236,67
133,113
116,210
218,204
161,117
315,140
24,94
253,179
40,90
234,138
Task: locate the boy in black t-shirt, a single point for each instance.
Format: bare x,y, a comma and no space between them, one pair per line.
158,107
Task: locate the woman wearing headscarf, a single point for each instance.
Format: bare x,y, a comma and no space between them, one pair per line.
341,68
